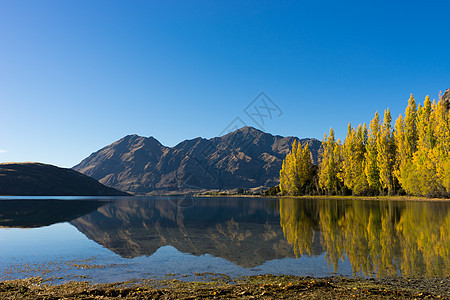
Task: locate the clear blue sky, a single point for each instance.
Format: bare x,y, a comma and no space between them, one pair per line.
78,75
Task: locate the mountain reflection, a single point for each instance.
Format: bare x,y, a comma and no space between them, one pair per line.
32,213
379,238
243,231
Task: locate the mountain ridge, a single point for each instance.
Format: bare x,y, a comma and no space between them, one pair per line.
244,158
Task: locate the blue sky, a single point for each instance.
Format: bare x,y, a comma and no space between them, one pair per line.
78,75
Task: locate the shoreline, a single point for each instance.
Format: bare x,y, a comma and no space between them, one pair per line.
250,287
373,198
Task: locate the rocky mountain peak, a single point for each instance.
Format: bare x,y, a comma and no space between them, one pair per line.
244,158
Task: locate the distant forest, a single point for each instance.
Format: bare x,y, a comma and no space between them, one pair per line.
411,158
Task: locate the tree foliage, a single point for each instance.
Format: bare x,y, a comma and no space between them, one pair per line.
353,160
297,172
330,165
412,158
386,155
371,167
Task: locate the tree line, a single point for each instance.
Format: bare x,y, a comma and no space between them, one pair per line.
411,157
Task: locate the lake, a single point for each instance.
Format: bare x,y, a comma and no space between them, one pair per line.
103,239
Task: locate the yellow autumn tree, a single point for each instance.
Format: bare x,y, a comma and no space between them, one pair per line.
413,157
442,146
406,141
348,173
385,154
401,156
422,149
330,164
296,170
353,151
361,186
371,166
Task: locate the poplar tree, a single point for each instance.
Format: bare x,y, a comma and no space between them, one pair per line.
415,155
288,176
296,171
411,127
353,151
371,166
304,167
406,144
442,135
385,154
330,164
348,174
360,185
401,156
422,178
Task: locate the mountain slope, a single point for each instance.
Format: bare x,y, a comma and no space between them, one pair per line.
36,179
245,158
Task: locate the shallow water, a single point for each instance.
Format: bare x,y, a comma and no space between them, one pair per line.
124,238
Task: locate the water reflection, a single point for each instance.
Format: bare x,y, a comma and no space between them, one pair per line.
243,231
32,213
379,238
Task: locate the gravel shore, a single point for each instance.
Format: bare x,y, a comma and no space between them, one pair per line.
252,287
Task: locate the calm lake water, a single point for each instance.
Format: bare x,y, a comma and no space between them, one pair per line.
117,239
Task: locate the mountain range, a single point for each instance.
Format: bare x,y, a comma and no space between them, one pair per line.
245,158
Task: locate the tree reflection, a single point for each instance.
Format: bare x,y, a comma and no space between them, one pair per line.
379,238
